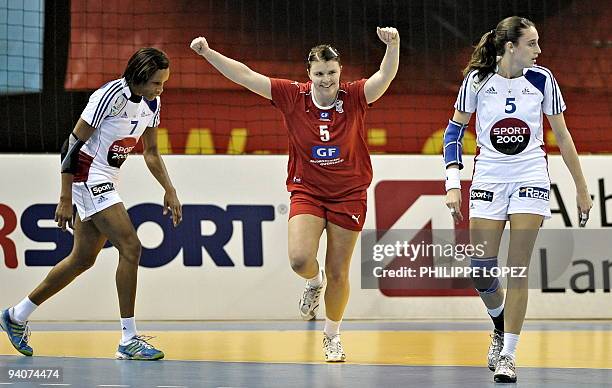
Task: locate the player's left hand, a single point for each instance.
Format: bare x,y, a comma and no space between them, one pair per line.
453,202
388,35
585,203
173,205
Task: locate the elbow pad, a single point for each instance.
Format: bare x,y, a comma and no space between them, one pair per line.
70,153
453,148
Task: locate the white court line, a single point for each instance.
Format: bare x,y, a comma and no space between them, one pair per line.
171,386
6,383
56,384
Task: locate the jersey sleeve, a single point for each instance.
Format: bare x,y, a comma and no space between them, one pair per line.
553,103
356,90
154,123
466,99
284,94
100,103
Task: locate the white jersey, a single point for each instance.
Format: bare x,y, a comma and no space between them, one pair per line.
509,128
120,119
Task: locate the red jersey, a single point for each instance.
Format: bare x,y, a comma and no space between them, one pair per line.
328,154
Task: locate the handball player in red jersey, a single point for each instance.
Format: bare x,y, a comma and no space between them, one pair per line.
329,167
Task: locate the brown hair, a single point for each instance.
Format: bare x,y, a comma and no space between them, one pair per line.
492,44
323,52
143,64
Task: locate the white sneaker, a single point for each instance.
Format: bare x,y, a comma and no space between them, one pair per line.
333,349
505,371
309,302
497,343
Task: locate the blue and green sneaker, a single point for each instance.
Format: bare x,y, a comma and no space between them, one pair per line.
139,349
17,334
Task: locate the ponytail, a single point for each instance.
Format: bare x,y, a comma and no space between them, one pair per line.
484,57
491,45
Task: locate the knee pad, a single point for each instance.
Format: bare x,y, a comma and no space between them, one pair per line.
485,285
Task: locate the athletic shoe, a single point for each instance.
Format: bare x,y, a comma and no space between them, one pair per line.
309,302
138,349
18,334
333,349
505,371
497,343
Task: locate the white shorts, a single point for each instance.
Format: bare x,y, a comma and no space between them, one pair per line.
496,201
91,198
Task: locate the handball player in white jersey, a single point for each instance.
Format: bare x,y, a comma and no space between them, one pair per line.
116,116
510,94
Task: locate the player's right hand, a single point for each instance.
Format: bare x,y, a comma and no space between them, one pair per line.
63,214
453,202
199,45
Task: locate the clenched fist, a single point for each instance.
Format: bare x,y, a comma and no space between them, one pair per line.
199,45
388,35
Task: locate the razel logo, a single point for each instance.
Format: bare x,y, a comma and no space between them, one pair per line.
534,192
418,205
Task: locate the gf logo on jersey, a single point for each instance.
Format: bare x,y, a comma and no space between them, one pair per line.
534,192
119,151
325,152
324,116
481,195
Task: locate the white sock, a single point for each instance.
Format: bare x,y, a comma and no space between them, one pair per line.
22,311
510,342
128,329
317,280
332,328
495,312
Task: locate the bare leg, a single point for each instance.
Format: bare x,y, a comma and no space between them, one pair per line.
88,241
340,245
491,231
523,234
115,223
304,234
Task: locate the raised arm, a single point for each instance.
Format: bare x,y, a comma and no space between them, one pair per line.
233,70
378,83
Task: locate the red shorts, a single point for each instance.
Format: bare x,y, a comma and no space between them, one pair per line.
346,214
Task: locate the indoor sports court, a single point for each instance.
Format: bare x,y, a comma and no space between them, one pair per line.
221,248
383,353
